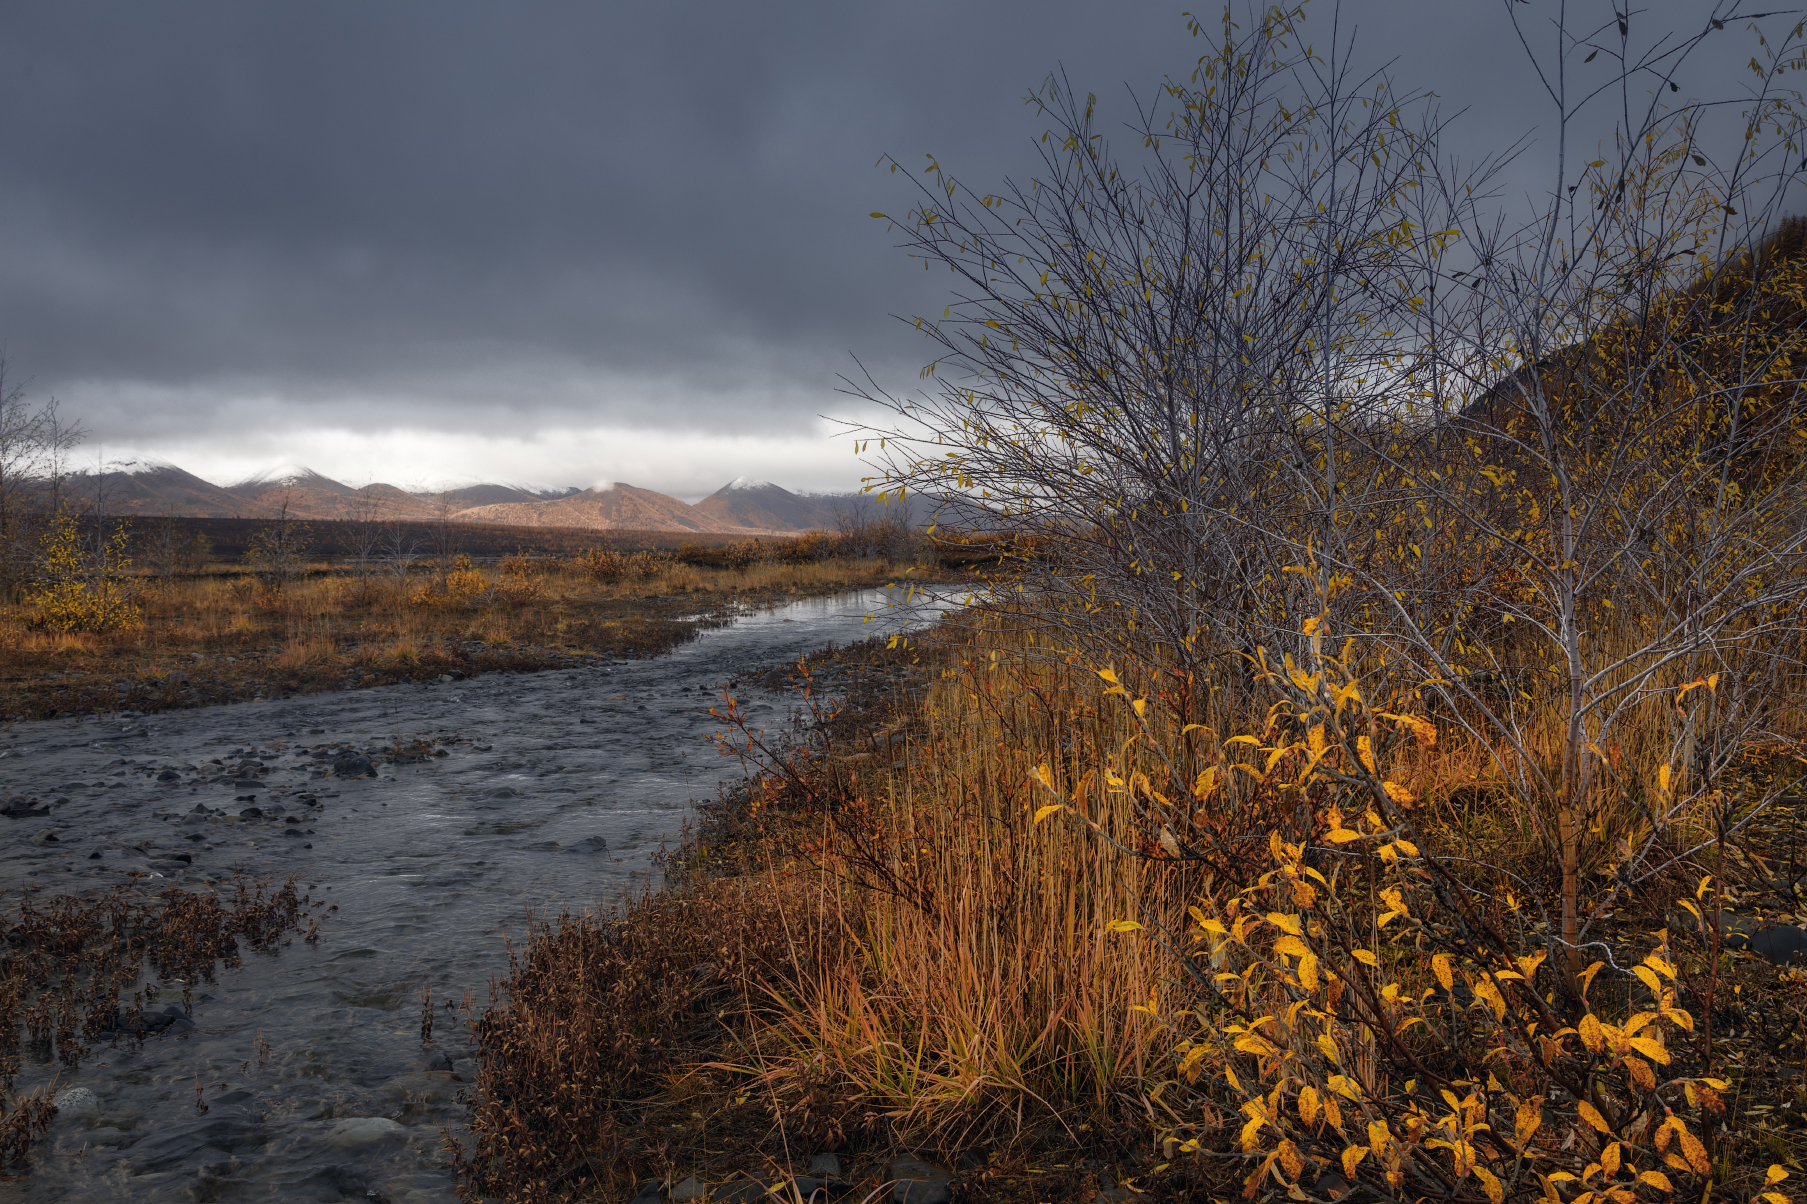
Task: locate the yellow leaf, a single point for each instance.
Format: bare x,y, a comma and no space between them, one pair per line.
1042,813
1398,793
1342,836
1650,1049
1308,971
1655,962
1141,705
1290,1159
1694,1152
1496,1191
1285,923
1648,978
1206,783
1591,1115
1308,1105
1122,926
1364,748
1529,1120
1609,1159
1640,1071
1251,1134
1045,776
1440,967
1657,1180
1364,957
1776,1175
1407,847
1108,675
1352,1158
1662,779
1292,946
1592,1034
1327,1046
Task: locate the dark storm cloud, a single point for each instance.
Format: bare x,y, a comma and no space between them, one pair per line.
480,217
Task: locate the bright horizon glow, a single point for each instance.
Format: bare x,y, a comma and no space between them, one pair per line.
687,466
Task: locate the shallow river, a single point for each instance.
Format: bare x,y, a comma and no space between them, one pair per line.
430,866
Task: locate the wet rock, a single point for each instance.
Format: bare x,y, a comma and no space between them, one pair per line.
353,765
76,1101
207,1139
364,1130
169,775
439,1087
651,1192
744,1191
825,1166
590,844
1780,946
690,1189
20,808
43,837
251,813
919,1182
503,792
172,1020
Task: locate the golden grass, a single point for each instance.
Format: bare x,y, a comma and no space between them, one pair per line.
937,970
329,629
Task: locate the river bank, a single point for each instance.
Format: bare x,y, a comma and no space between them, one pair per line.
435,817
221,639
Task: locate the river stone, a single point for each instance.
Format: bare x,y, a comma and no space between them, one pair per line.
438,1087
76,1101
825,1166
46,836
1781,945
919,1182
590,844
745,1191
351,765
211,1138
690,1189
363,1130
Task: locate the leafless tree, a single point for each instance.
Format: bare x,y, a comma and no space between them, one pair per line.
1286,369
364,533
34,445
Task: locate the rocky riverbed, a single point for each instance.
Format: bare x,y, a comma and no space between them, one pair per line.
428,820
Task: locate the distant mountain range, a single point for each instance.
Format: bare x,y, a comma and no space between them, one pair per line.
152,488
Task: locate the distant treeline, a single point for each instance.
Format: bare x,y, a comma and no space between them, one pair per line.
227,539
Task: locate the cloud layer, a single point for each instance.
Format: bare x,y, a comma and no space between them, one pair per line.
552,242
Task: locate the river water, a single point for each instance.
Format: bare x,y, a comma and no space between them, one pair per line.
429,865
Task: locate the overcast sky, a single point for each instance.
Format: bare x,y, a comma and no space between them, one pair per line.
556,244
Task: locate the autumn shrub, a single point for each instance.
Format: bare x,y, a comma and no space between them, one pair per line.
1375,1002
603,566
82,578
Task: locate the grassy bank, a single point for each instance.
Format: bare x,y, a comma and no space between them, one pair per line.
223,636
947,930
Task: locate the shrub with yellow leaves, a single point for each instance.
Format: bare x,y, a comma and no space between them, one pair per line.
1379,1013
83,580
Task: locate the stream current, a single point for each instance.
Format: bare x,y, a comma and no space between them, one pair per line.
431,865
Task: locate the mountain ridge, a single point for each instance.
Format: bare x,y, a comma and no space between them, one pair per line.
158,488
